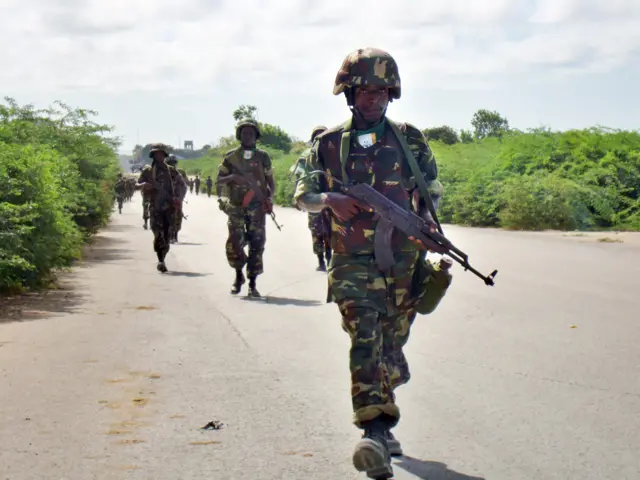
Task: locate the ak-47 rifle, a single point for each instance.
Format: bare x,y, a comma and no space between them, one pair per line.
254,191
391,216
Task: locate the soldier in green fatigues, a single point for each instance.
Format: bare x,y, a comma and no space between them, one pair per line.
179,214
120,188
377,307
319,223
246,212
166,189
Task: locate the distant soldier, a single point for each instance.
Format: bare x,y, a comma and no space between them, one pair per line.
197,182
209,184
246,212
191,185
319,223
179,214
120,188
167,189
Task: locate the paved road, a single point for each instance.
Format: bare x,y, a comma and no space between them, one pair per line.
113,376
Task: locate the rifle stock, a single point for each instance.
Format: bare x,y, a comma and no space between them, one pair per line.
391,216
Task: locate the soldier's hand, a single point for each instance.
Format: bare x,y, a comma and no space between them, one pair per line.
343,206
147,187
222,204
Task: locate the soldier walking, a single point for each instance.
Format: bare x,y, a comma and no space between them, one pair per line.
377,307
242,205
166,189
179,213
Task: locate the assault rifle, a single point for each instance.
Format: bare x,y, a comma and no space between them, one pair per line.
254,191
391,216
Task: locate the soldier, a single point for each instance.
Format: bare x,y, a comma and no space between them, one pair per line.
120,188
209,184
246,213
197,182
377,307
191,185
146,200
319,223
179,214
166,189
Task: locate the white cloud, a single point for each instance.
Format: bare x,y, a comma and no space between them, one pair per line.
178,47
116,45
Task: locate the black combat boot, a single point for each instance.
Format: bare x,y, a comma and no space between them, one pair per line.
161,267
372,453
322,267
253,291
328,255
238,282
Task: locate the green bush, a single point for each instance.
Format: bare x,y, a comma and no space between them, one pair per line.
579,179
56,188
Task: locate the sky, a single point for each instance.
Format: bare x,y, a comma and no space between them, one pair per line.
175,70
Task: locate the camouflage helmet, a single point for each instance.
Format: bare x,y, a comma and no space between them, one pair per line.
172,160
317,131
247,122
368,66
158,147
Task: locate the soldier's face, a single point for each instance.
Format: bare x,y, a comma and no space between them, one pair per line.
159,157
371,102
248,136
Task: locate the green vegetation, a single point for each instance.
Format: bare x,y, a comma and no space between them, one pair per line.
495,176
57,169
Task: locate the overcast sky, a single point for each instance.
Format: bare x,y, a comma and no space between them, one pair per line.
174,70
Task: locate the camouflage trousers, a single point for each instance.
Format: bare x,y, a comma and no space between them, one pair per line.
246,227
161,223
377,314
319,224
120,200
145,207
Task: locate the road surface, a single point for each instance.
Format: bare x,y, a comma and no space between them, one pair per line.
113,376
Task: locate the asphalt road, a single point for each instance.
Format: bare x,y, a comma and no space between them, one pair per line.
113,375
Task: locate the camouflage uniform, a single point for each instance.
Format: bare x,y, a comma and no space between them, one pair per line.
120,188
246,221
197,184
170,189
146,201
376,306
209,184
319,223
179,214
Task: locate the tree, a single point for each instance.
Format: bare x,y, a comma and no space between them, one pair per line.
245,111
275,137
444,134
466,136
489,124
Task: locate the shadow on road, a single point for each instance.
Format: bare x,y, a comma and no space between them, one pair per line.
68,294
104,248
190,244
297,302
187,274
39,305
428,470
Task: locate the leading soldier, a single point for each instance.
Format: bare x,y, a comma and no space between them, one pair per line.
246,212
166,189
377,307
